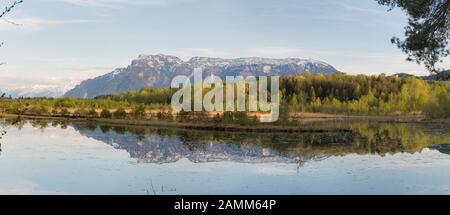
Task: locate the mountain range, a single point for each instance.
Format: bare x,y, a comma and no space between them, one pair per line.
155,71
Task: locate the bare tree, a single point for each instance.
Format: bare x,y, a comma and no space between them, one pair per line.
7,10
10,7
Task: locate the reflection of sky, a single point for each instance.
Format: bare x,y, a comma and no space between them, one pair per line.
63,161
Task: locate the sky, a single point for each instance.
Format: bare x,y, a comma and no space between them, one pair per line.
61,42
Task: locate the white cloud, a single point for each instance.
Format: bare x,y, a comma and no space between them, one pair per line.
70,73
34,23
275,52
28,86
118,3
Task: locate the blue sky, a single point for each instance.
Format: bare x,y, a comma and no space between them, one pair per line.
64,41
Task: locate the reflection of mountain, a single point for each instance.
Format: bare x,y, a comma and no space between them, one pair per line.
150,145
165,149
159,145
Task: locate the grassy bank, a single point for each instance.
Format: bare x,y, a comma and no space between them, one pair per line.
299,122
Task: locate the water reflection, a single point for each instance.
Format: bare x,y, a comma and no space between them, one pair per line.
442,148
158,145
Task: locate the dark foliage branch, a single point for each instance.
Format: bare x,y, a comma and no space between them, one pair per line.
428,31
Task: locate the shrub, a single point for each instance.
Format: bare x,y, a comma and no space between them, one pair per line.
217,118
64,112
80,113
182,116
92,113
160,115
227,117
201,116
163,116
120,113
241,118
38,110
105,114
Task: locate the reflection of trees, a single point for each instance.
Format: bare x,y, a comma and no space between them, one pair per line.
442,148
392,138
39,123
105,128
172,144
157,145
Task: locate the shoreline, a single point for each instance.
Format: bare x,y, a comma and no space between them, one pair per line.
306,123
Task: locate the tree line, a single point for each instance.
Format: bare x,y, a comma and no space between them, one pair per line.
332,93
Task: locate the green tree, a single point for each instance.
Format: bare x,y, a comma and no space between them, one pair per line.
293,105
139,112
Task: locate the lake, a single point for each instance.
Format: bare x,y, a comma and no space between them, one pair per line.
63,157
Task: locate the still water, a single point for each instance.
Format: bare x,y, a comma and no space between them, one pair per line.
60,157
